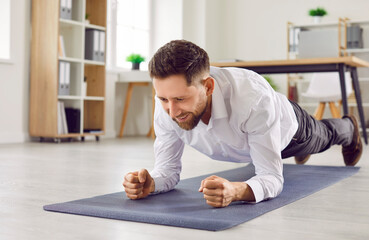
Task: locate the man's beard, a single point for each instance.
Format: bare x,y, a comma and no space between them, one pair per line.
193,118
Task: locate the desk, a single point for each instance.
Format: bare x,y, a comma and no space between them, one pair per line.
136,78
337,64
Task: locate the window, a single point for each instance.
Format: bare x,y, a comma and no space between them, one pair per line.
128,31
5,29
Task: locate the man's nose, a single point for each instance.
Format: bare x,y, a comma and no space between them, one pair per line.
173,110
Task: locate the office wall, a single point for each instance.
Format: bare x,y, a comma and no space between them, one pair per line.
259,27
244,29
14,77
256,30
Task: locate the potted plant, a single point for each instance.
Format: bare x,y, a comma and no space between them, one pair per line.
271,82
317,14
87,21
135,59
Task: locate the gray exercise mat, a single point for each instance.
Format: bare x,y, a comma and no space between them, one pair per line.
185,206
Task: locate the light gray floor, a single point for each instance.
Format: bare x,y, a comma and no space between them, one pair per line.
35,174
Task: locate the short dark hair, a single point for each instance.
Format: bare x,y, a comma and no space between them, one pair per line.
179,57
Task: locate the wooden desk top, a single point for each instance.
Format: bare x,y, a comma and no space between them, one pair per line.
350,61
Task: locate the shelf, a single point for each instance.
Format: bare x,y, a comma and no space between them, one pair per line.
61,97
316,25
358,50
70,59
328,24
92,26
70,22
74,135
88,98
90,62
361,22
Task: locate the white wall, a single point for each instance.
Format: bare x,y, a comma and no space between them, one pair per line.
256,30
244,29
166,22
14,77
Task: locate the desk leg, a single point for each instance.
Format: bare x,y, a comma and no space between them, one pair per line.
151,132
356,85
343,88
126,106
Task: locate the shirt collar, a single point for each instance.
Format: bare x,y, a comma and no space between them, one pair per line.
218,107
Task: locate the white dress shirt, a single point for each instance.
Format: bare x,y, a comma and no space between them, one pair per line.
249,122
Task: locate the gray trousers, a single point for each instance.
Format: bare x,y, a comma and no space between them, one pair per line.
314,136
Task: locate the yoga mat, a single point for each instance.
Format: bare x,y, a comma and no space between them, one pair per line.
185,206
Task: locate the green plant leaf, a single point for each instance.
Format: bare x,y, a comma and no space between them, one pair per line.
317,12
135,58
271,82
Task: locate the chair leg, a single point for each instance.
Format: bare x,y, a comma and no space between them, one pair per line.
334,110
319,111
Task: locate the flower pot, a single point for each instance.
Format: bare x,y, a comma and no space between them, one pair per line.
135,66
317,19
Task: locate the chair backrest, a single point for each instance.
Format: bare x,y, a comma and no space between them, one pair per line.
326,84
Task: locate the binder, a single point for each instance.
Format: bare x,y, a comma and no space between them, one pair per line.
67,78
61,78
348,37
92,44
64,78
68,9
63,9
102,46
354,37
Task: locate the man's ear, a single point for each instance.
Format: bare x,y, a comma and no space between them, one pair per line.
209,85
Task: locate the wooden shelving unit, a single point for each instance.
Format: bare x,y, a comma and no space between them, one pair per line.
47,26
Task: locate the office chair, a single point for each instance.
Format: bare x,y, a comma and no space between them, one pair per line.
325,88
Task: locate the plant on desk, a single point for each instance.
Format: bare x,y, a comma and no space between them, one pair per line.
317,14
271,82
135,59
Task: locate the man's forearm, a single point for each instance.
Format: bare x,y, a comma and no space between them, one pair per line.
243,192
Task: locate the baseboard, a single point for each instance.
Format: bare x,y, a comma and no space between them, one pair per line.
110,134
6,138
13,138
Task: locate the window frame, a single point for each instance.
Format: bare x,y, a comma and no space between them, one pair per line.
9,59
112,25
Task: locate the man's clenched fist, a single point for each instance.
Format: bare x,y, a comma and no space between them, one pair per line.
138,184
